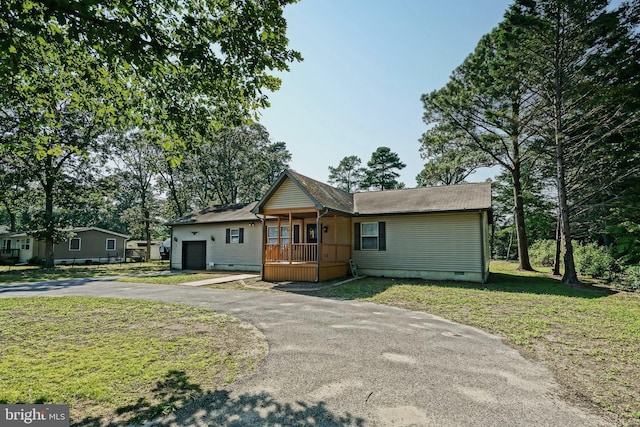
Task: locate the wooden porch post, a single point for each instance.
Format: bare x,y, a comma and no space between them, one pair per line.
290,239
335,238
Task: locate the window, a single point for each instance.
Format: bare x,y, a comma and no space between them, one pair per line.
370,235
111,244
74,244
272,235
235,235
25,244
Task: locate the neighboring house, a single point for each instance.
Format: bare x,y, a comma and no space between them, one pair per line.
87,245
305,230
137,250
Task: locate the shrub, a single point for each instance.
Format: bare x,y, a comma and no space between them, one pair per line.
35,260
595,261
542,252
631,278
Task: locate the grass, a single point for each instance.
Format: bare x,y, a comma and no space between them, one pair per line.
588,336
9,274
173,279
118,361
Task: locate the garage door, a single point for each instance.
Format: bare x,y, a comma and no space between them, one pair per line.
194,255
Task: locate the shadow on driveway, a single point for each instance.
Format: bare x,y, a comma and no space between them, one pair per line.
218,408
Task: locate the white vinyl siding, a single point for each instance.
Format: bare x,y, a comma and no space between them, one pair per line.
241,257
288,195
431,242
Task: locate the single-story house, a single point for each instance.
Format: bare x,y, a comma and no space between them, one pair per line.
86,245
305,230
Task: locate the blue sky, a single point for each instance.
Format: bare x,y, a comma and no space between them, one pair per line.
366,64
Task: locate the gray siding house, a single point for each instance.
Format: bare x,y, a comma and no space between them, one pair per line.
305,230
86,245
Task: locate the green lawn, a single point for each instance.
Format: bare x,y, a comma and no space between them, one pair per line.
588,336
118,361
9,274
173,279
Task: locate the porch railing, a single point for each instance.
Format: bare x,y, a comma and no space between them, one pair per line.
300,252
306,252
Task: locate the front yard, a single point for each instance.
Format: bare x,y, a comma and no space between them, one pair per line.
117,362
588,336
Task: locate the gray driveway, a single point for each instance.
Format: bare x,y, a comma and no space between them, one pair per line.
351,363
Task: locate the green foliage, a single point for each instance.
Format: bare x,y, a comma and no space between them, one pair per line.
630,278
449,160
595,261
348,175
542,252
381,173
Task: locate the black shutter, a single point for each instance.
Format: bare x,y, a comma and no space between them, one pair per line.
382,236
241,235
228,238
356,236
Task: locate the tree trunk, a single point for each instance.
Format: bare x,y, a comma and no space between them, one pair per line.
147,233
12,216
556,258
48,222
523,249
570,274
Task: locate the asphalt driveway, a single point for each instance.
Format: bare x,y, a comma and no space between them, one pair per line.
350,363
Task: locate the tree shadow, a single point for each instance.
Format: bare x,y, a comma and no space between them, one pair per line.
177,401
502,282
48,285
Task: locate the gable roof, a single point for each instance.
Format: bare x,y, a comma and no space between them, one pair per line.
444,198
102,230
322,195
72,230
218,213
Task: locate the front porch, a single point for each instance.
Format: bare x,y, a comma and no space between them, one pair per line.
305,246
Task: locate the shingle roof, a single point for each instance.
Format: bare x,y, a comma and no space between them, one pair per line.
444,198
219,213
447,198
327,196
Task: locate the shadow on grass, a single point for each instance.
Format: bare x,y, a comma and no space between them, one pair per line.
498,282
48,285
180,402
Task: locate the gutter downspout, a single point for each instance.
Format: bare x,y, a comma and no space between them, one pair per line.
482,248
319,231
171,249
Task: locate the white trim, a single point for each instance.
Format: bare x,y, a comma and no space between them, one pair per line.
236,235
115,244
79,244
370,236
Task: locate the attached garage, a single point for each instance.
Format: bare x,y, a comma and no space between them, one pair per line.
194,255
